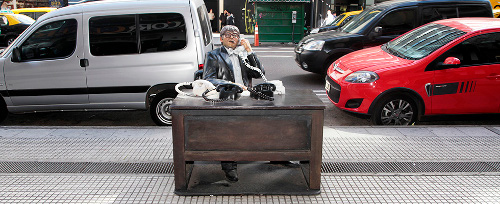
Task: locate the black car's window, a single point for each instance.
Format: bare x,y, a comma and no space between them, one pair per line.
473,11
349,18
482,49
162,32
117,35
112,35
205,25
430,14
337,20
53,40
398,22
359,23
422,41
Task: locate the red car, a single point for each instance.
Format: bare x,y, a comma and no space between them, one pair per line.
445,67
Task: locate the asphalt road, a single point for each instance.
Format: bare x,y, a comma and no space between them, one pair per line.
279,65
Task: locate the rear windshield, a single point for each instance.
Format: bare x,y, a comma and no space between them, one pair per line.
358,23
422,41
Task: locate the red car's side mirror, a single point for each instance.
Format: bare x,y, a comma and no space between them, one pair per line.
452,60
449,63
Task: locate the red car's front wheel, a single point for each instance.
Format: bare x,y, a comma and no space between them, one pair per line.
395,110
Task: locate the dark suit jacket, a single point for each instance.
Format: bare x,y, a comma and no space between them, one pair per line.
218,68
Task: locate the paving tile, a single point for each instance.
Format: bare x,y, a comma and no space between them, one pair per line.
415,131
446,131
476,131
375,131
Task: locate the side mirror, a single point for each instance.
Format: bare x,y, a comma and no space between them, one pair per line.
449,62
16,54
377,31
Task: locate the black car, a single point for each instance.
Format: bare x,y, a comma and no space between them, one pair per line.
11,25
378,25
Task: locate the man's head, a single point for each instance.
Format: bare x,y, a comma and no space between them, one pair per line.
230,36
225,11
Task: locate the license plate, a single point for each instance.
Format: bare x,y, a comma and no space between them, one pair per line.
327,86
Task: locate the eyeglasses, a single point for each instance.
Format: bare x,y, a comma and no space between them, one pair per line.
234,35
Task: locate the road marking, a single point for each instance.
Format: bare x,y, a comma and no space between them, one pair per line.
276,56
276,51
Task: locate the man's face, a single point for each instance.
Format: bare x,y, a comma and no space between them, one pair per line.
230,39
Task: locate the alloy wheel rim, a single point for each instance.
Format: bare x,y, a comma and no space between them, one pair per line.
397,112
163,111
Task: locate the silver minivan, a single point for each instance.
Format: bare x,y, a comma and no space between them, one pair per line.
111,54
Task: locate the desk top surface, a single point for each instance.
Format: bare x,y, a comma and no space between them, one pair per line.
293,99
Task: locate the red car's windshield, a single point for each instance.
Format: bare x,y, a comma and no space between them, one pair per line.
422,41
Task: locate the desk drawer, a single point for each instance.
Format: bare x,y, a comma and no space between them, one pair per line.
247,133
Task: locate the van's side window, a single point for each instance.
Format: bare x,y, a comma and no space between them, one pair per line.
205,25
162,32
398,22
437,13
117,35
53,40
112,35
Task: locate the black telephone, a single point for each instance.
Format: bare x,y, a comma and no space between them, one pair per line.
263,91
229,91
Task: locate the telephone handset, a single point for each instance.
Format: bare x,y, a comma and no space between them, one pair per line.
260,91
229,91
199,87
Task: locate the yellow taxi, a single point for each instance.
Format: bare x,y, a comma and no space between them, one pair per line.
33,12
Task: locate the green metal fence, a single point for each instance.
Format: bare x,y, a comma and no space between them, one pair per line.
275,21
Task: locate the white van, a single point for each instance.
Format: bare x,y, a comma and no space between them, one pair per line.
92,56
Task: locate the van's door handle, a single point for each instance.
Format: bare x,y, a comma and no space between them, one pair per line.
441,86
84,62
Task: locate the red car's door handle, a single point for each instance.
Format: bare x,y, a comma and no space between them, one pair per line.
493,76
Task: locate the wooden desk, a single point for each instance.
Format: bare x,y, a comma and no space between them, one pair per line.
290,128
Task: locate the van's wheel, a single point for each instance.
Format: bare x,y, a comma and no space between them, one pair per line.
160,110
395,110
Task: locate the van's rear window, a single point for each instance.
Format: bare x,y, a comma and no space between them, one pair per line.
117,35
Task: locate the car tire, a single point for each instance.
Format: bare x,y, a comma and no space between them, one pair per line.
160,109
9,40
395,110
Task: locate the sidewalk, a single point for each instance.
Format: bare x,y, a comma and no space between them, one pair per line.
414,164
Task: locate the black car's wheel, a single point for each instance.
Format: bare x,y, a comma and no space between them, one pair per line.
395,110
9,40
160,110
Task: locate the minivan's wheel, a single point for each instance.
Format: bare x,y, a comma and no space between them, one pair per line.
395,110
160,110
